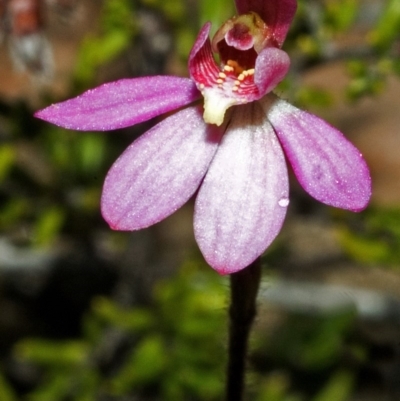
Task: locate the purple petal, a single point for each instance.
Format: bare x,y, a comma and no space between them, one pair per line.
121,103
242,202
277,14
200,42
271,67
160,171
202,66
326,164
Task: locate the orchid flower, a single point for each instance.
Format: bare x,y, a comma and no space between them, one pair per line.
229,150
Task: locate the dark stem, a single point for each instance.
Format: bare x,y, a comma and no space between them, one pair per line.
244,288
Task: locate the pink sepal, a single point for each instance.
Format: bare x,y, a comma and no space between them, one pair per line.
159,172
277,14
121,103
242,202
326,164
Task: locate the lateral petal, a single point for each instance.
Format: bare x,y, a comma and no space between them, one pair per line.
272,65
159,172
121,103
277,14
242,202
326,164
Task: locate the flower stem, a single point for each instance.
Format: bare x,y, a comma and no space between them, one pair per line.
244,288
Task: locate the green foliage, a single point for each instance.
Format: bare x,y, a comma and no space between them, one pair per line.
175,348
137,320
48,225
338,388
147,362
7,159
313,97
53,354
386,32
175,10
117,30
65,365
325,22
184,358
340,14
376,239
319,35
75,156
6,391
310,342
276,388
217,12
177,351
311,346
367,79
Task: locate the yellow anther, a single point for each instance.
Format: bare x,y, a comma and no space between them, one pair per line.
235,65
237,83
222,75
250,71
220,81
201,86
232,63
228,68
235,89
242,76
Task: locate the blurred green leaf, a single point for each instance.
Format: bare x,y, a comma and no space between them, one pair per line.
48,226
90,149
364,250
217,12
309,45
48,353
14,211
95,52
175,10
274,388
308,96
118,28
310,342
87,385
388,26
137,319
372,83
6,391
377,239
7,158
55,388
338,388
357,68
145,365
340,14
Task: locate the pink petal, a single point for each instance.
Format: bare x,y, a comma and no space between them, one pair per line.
202,66
271,67
277,14
159,172
121,103
326,164
242,202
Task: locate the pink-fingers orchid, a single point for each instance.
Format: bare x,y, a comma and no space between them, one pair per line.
229,151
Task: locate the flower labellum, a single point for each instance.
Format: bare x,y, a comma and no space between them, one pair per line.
231,151
249,66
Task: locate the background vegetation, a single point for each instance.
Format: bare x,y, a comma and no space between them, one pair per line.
91,314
